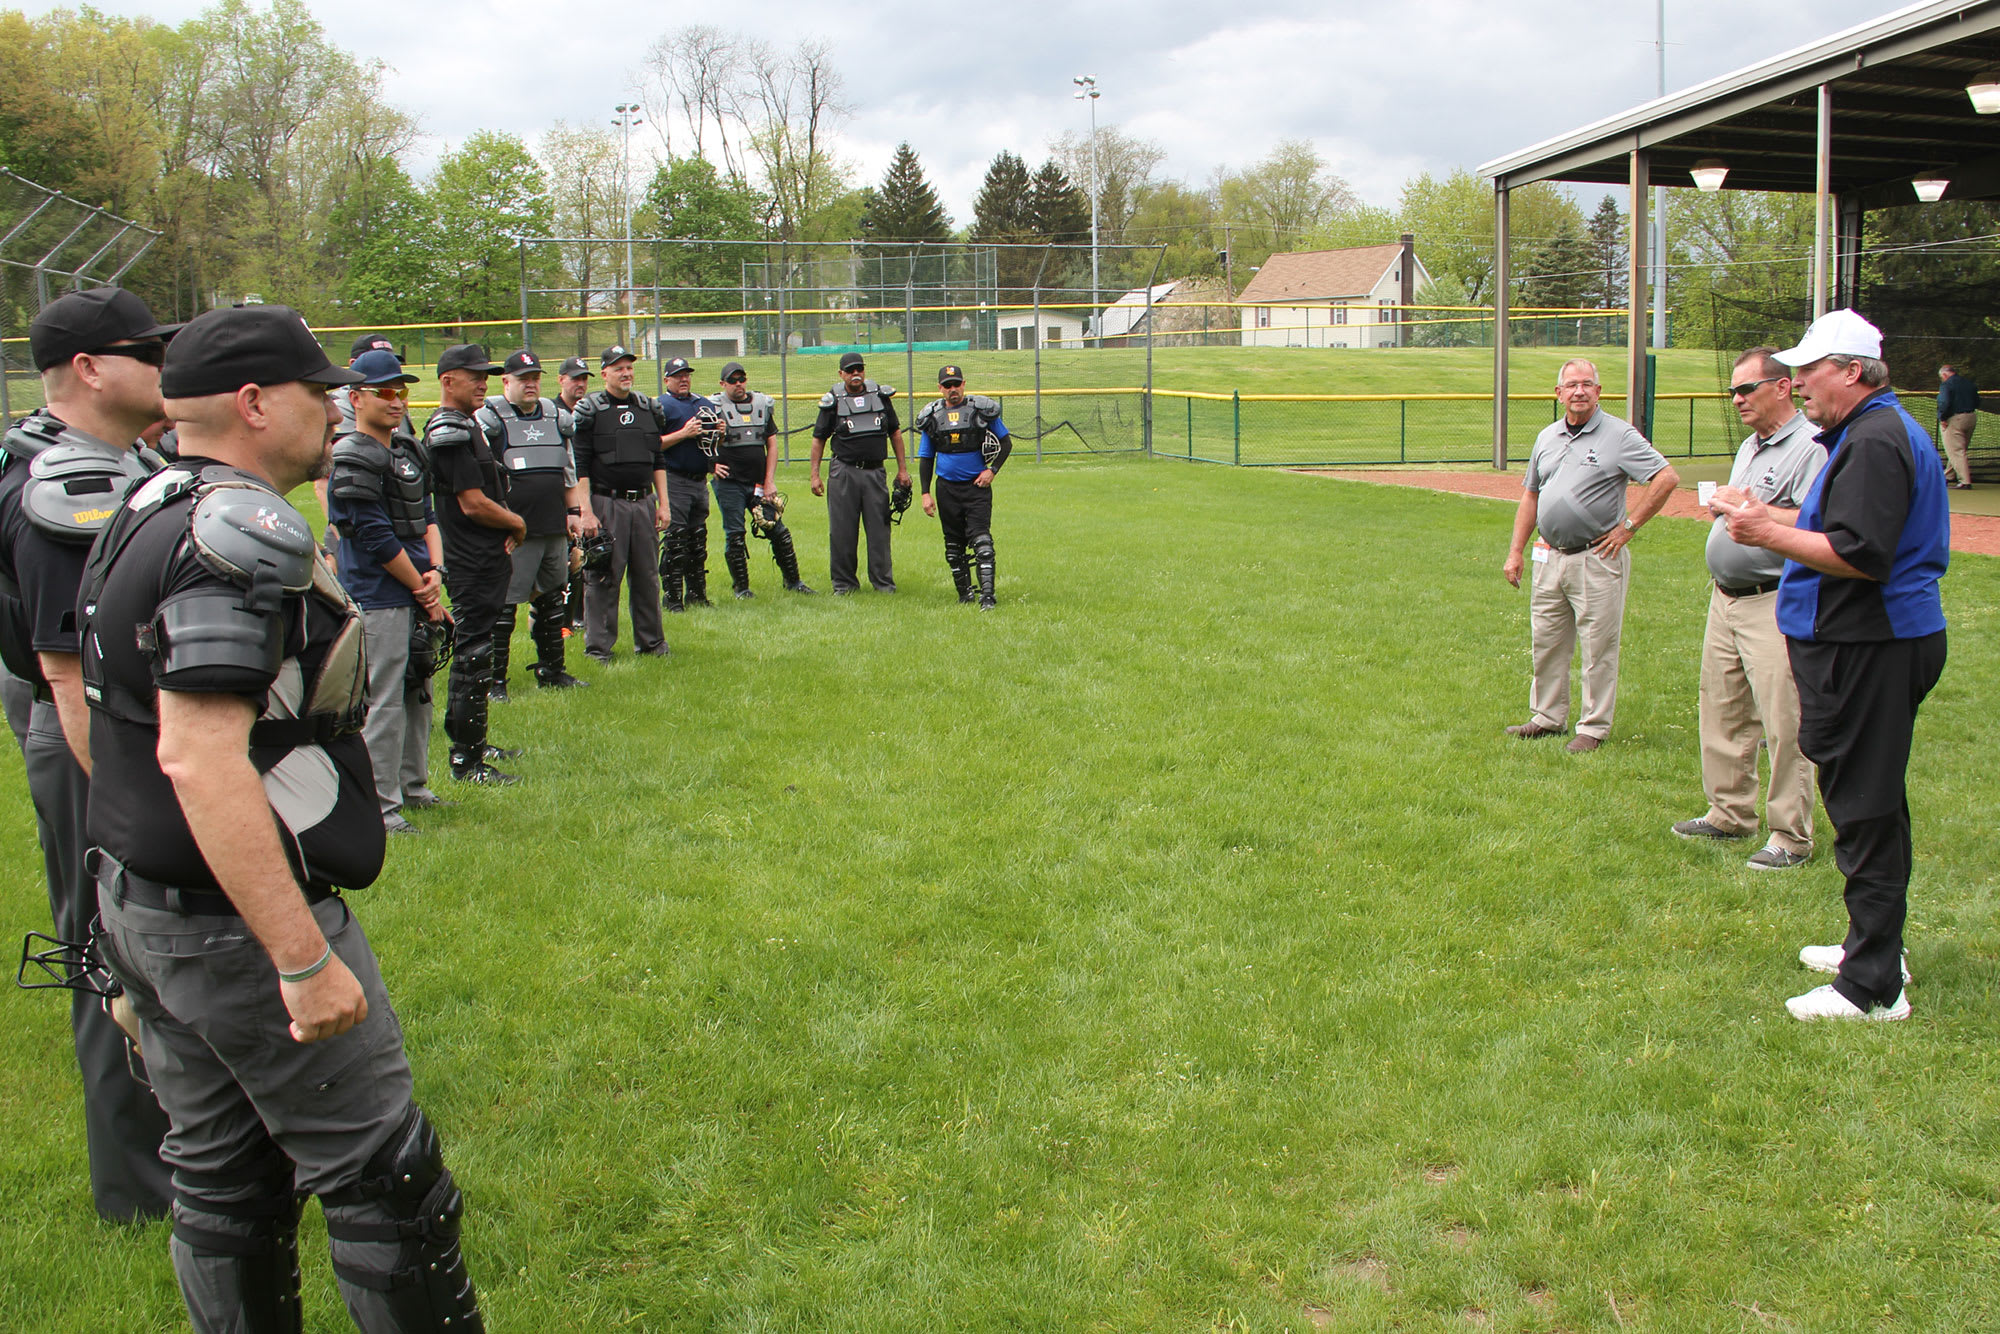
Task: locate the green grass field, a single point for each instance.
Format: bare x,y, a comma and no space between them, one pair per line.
1182,946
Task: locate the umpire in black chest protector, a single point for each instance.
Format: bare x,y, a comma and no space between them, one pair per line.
480,534
859,419
746,482
617,447
233,802
64,472
964,442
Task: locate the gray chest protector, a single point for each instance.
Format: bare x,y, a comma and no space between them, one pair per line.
744,424
534,444
627,431
961,429
865,413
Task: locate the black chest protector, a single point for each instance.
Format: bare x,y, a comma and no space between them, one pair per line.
534,444
865,413
283,617
75,483
624,432
393,476
961,429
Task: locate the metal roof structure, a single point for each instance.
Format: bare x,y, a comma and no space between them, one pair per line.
1900,110
1855,119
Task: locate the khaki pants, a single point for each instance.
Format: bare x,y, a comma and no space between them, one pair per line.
1956,431
1574,600
1747,693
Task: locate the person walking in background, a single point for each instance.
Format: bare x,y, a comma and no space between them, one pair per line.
1958,414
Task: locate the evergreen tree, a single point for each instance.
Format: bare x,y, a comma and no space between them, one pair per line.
1608,256
1561,270
905,207
1000,215
1057,210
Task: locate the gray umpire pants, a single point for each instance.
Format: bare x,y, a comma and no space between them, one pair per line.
635,560
857,499
123,1124
399,718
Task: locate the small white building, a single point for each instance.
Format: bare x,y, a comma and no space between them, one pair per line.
1016,330
693,341
1351,297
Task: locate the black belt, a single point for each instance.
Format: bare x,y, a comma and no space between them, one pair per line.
44,693
872,465
128,886
691,476
1571,551
637,493
1747,590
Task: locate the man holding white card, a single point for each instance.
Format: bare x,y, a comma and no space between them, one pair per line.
1575,498
1747,692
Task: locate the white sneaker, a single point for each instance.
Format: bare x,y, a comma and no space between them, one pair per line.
1826,959
1826,1003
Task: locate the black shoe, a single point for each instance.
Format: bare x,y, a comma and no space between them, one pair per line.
497,692
493,752
799,587
602,659
558,681
968,597
745,593
396,824
484,774
656,651
424,801
699,602
986,603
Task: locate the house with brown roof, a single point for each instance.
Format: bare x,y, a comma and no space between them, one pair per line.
1352,297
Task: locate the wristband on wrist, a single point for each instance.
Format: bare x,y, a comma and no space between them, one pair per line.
311,971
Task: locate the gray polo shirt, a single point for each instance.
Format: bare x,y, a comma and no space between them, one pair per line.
1778,471
1579,474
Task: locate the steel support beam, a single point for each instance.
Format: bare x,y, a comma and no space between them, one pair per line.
1639,172
1503,277
1822,202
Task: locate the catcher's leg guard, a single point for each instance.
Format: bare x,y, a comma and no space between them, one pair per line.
575,601
982,551
787,555
736,554
671,541
694,564
394,1238
235,1248
961,575
465,697
503,643
546,616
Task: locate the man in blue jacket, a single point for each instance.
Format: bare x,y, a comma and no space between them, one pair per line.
1958,413
1858,603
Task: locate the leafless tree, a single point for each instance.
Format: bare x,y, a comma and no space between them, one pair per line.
700,74
798,104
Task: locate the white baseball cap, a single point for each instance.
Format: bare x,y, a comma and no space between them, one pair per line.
1838,332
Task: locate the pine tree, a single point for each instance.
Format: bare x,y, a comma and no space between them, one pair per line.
1561,271
1608,254
1057,210
905,207
1000,215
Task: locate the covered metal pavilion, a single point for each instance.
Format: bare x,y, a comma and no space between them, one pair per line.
1854,119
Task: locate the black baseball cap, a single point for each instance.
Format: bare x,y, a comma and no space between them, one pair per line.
852,361
950,375
86,321
220,351
381,366
370,342
466,357
576,366
676,366
615,354
730,368
523,363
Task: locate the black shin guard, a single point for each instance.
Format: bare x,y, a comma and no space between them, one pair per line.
787,555
546,615
235,1248
982,552
503,641
736,555
671,596
395,1240
465,697
961,576
694,564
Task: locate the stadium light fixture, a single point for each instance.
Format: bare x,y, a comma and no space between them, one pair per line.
1086,92
1985,93
1930,189
1709,174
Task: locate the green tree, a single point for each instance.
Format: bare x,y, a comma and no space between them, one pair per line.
1560,270
385,230
1609,256
1287,197
482,196
1057,210
905,207
1453,220
1445,327
1000,216
689,203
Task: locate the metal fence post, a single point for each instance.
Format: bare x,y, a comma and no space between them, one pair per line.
784,347
1236,416
527,338
1190,438
1402,430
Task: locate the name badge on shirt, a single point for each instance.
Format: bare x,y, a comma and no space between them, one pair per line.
1540,554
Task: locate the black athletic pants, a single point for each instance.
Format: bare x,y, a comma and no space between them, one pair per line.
965,511
1857,712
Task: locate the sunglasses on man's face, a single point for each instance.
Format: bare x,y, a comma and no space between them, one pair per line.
153,354
1750,387
393,392
737,379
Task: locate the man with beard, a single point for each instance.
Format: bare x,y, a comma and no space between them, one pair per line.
746,480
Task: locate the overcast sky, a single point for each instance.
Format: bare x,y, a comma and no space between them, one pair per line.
1384,88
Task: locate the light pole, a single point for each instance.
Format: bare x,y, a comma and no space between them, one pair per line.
628,116
1086,91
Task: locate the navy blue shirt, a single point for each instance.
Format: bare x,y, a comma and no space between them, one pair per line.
1956,395
368,542
683,455
1880,501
